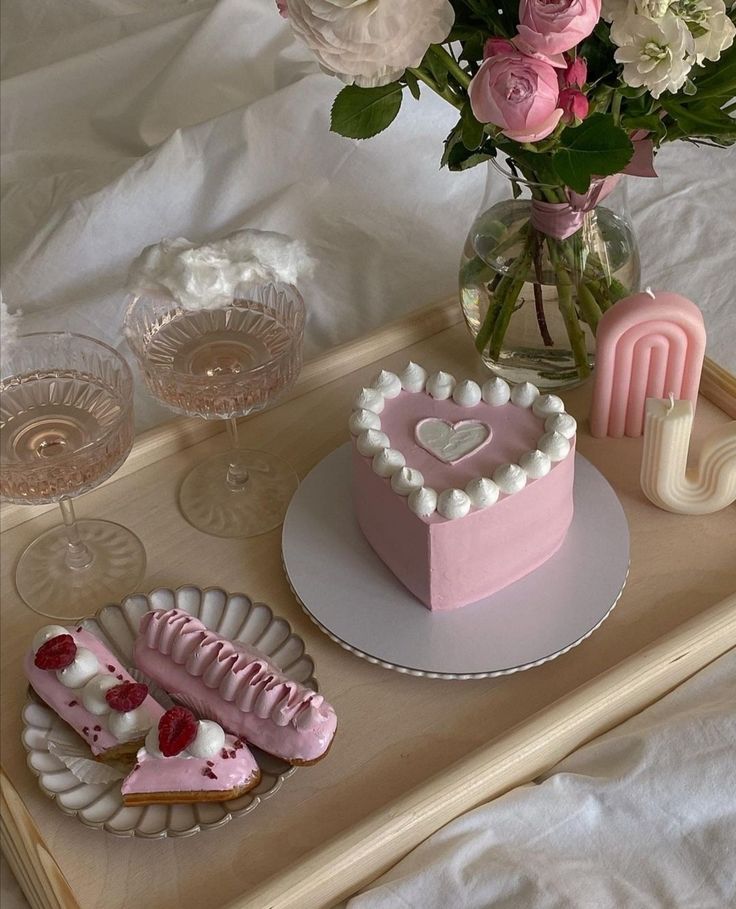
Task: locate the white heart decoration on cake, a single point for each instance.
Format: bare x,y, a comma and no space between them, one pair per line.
451,442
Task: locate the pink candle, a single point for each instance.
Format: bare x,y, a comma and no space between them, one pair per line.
650,345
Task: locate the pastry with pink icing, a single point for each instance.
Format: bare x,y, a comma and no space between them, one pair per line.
235,685
185,759
78,677
461,489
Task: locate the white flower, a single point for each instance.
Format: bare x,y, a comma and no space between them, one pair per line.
656,53
370,42
711,28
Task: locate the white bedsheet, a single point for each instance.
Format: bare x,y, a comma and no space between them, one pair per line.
643,817
124,121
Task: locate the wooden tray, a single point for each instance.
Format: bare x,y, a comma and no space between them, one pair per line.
411,753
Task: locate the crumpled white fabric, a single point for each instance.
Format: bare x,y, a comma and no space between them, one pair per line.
124,122
643,817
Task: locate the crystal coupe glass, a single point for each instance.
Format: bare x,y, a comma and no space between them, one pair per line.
222,364
66,425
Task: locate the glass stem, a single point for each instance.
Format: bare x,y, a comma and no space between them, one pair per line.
78,555
237,475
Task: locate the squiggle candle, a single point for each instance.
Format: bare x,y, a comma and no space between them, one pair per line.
666,479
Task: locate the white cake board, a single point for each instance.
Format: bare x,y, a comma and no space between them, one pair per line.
353,597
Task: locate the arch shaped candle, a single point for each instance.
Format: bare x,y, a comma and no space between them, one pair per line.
665,478
649,345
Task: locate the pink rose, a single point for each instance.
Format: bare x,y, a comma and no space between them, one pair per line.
553,26
515,92
575,75
574,105
282,8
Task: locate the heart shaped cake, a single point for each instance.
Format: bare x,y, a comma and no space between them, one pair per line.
461,490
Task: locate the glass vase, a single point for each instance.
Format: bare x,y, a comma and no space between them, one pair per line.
531,297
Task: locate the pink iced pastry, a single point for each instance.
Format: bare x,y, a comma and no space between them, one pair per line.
235,685
459,489
189,760
78,677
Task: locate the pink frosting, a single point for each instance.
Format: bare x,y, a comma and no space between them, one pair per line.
67,702
231,768
235,685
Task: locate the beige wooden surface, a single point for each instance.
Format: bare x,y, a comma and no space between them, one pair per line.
396,732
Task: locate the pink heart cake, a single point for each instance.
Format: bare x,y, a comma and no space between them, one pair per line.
459,489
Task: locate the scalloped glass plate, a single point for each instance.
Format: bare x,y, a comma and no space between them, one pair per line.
234,616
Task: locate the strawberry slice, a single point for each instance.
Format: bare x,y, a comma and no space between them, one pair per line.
126,696
176,729
56,653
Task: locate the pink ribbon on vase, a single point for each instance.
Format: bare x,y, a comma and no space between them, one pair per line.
562,219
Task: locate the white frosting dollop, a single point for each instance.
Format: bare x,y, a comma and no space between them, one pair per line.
554,445
80,670
363,419
93,695
369,399
406,480
372,441
388,383
208,741
131,724
46,633
206,276
545,405
535,464
440,385
423,502
563,423
467,393
151,743
524,395
388,461
413,377
453,503
482,492
496,392
509,478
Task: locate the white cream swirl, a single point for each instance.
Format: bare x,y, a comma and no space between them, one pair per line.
423,501
388,461
563,423
388,383
208,741
453,503
482,492
554,445
130,725
363,419
545,405
372,441
524,395
93,695
496,392
369,399
509,478
83,668
467,393
440,385
406,480
535,464
413,378
45,634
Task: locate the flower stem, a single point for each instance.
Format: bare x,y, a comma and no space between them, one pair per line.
450,64
567,310
445,93
537,285
517,280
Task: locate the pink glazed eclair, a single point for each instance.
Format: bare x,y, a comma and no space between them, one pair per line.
235,685
78,677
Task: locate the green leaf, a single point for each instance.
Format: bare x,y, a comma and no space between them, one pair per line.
359,113
701,118
472,130
716,79
412,83
596,148
454,138
651,122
